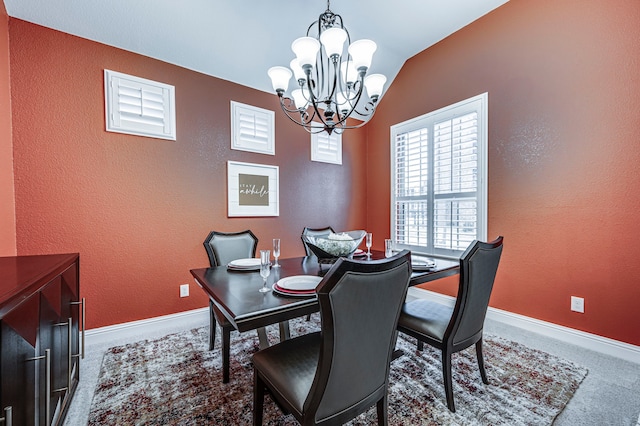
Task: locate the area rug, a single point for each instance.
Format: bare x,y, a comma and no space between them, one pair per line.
175,380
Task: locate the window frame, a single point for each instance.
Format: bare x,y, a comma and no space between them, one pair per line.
321,147
244,142
118,120
478,104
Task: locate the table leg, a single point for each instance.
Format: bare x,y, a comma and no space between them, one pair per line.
284,331
262,337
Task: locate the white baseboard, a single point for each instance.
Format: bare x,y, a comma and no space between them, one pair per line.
583,339
137,330
142,329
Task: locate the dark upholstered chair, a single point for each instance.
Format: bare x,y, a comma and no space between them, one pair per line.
331,376
314,232
222,248
452,329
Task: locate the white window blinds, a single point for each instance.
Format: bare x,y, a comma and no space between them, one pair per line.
326,148
138,106
252,129
439,179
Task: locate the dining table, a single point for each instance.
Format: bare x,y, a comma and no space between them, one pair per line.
236,292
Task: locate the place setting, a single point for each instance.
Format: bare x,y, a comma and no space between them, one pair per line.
246,264
297,286
422,264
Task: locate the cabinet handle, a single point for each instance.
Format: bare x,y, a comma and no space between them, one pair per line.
82,302
47,383
8,416
69,325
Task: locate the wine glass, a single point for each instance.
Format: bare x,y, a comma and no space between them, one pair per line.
388,248
368,243
265,265
276,251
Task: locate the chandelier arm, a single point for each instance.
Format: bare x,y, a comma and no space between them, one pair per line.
314,100
353,106
305,119
335,80
290,102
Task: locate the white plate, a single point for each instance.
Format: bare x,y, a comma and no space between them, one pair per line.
299,282
251,262
422,264
276,290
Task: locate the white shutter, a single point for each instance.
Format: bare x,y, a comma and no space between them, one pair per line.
412,188
252,129
456,182
326,148
439,179
138,106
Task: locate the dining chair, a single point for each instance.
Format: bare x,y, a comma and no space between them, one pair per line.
314,232
454,328
222,248
331,376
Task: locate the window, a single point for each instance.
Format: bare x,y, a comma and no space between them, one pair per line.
326,148
439,179
139,107
252,129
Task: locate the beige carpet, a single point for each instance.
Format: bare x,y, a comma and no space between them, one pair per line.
176,381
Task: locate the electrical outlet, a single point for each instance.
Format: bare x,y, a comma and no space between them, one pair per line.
577,304
184,290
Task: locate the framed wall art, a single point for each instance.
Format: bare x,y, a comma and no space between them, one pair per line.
252,189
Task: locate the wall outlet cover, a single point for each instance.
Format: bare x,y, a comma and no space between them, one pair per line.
184,290
577,304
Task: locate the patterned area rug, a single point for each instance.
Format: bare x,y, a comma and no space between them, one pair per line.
175,380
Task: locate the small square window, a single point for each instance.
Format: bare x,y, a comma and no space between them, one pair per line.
252,129
326,148
138,106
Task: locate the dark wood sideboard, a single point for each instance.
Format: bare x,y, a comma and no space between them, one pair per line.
40,342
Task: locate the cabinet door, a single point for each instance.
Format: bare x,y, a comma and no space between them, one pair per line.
18,339
52,339
69,374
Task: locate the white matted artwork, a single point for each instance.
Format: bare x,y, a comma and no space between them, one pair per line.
252,189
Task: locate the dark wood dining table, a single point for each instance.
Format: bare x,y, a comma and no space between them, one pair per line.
236,293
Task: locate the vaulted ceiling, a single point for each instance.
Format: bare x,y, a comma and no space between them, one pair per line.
239,40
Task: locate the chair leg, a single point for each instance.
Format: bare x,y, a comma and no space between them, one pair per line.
226,343
483,373
448,382
212,327
258,399
383,411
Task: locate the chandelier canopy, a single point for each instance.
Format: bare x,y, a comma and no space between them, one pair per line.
330,81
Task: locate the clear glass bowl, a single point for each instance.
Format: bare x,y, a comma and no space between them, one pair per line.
333,246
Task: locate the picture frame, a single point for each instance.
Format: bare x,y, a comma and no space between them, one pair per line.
252,189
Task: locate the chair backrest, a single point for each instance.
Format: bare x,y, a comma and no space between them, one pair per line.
478,267
314,232
360,303
223,247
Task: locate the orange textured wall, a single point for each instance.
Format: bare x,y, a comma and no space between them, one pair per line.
138,209
7,203
563,79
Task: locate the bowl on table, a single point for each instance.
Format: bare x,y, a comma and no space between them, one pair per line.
328,248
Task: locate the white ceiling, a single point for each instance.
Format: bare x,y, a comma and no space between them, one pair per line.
238,40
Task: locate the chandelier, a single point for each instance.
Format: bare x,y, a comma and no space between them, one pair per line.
330,81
